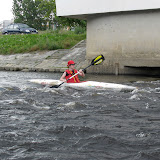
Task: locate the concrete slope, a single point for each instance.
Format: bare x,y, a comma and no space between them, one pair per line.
48,61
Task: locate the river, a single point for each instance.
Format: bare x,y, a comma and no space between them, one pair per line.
39,123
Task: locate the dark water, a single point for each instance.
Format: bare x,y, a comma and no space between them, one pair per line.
38,123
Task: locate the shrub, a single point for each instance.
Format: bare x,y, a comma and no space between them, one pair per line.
79,30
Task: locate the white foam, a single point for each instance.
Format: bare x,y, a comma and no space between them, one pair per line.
141,135
147,105
41,107
135,96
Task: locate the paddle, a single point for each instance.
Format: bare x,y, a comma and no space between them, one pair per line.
99,59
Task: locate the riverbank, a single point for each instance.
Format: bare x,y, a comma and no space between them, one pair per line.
45,61
46,40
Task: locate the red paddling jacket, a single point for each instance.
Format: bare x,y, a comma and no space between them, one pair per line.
70,74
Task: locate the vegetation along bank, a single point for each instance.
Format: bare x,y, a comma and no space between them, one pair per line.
47,40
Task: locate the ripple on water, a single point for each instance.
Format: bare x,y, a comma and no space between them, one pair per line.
71,106
135,97
65,124
40,106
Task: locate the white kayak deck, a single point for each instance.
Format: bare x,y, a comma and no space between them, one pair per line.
85,85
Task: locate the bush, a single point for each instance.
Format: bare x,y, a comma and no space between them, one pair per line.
80,30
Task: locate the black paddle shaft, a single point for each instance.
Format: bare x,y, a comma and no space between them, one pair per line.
86,67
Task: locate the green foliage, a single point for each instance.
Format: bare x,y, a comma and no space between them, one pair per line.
71,22
37,13
80,30
48,40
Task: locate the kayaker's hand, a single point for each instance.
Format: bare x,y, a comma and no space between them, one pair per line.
64,80
81,73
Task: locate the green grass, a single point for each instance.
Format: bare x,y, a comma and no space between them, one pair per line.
48,40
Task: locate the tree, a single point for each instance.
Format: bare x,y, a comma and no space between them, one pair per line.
37,13
31,12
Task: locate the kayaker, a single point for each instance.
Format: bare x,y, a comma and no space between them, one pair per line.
70,72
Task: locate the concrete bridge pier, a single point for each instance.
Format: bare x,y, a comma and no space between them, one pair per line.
129,41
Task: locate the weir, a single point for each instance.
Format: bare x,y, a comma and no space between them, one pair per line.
125,32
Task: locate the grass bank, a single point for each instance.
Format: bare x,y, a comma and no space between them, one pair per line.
48,40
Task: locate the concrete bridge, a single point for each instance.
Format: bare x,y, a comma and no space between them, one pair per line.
126,32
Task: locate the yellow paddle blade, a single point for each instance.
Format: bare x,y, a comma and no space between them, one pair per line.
99,59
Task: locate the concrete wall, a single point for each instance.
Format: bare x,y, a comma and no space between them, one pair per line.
126,39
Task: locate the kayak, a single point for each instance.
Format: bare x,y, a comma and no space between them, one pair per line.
86,85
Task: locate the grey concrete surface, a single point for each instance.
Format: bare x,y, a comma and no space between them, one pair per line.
130,42
48,61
